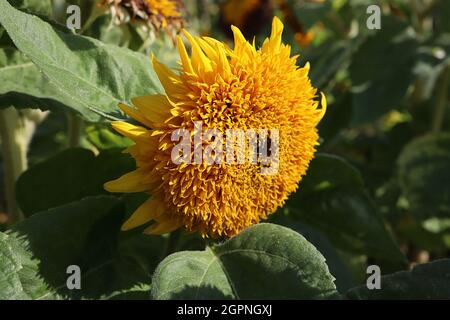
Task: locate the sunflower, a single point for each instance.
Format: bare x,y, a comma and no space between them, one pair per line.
221,88
157,13
304,39
250,16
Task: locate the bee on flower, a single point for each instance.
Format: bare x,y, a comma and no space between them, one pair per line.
241,88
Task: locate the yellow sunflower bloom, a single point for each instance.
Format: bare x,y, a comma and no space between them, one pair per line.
220,88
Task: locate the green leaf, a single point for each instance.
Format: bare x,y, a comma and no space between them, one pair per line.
19,278
138,255
137,292
444,12
265,261
337,118
436,225
41,7
330,172
81,233
382,70
95,75
344,279
332,199
424,175
87,233
69,176
327,59
22,85
104,138
425,281
49,138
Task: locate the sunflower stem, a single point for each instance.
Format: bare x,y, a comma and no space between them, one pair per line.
172,242
441,101
14,148
74,128
95,14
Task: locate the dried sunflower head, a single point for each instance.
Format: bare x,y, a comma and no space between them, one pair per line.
250,16
167,14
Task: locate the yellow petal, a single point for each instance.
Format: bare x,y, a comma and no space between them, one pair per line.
213,42
275,37
170,81
239,39
199,60
210,52
307,67
223,64
149,210
323,104
185,60
131,131
134,113
156,107
164,226
242,49
134,181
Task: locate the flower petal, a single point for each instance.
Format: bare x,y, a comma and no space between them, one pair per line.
133,181
130,130
164,226
185,60
149,210
155,108
135,114
199,60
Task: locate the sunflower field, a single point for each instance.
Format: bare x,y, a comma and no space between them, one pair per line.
224,149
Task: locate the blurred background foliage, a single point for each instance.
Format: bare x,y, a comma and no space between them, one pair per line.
377,192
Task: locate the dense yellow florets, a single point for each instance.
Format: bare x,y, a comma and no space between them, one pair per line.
223,88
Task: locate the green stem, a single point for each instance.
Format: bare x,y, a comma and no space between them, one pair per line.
441,101
96,13
74,128
172,242
14,147
145,44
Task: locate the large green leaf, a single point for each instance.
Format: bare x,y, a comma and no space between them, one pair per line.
69,176
332,199
330,172
424,174
22,85
82,233
87,233
327,59
425,281
136,292
338,117
41,7
344,279
264,261
19,277
382,70
95,75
